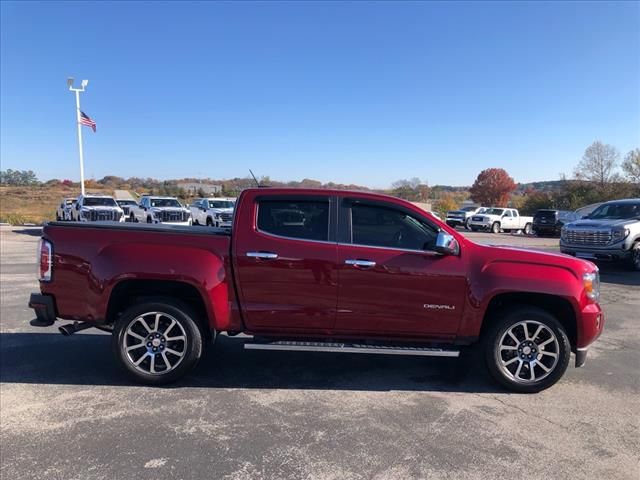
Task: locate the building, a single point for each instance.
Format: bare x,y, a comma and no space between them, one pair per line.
192,188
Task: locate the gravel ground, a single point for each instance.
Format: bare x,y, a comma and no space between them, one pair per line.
66,412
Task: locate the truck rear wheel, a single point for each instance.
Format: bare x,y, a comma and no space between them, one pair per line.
527,350
157,342
527,229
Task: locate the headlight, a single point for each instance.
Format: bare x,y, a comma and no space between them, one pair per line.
591,282
563,233
620,234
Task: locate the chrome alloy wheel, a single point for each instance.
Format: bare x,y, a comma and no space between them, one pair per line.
528,352
155,343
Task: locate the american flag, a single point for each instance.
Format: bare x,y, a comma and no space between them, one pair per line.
86,120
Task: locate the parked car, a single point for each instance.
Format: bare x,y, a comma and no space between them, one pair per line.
501,219
461,218
213,212
125,205
153,209
96,208
320,271
550,222
63,212
610,232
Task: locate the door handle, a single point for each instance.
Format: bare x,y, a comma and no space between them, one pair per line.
360,263
263,255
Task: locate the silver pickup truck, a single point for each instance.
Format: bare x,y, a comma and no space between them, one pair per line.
610,232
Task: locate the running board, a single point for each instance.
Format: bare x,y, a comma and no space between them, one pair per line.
352,348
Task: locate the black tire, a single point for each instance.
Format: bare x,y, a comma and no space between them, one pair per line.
209,222
191,347
495,356
495,228
149,220
634,261
527,229
132,218
196,222
466,224
474,229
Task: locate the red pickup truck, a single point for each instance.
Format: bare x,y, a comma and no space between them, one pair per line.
318,270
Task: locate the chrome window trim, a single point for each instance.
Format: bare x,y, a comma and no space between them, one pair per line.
396,249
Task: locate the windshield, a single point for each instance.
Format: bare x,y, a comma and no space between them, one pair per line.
126,202
616,211
165,202
99,202
220,204
494,211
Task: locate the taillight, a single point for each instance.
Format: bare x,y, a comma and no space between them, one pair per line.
46,260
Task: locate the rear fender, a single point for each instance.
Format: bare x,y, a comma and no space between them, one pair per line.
202,269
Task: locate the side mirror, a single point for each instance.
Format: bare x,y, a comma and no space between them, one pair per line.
446,244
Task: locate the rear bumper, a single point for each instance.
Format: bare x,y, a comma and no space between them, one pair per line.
45,309
551,229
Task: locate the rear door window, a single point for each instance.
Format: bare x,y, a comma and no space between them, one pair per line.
305,220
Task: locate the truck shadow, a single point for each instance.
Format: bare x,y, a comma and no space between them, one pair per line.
618,275
86,359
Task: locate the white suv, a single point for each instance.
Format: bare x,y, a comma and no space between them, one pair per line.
213,212
96,208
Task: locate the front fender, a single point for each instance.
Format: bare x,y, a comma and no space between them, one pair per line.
512,276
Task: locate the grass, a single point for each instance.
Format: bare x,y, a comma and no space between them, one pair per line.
19,205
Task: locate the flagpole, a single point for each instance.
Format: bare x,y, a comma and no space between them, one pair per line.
80,141
79,125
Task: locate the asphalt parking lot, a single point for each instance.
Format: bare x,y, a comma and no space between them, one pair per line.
66,412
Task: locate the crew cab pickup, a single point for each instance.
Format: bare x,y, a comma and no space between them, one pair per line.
166,210
213,212
321,271
462,217
501,219
610,233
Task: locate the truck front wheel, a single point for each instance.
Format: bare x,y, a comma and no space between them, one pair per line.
527,350
157,342
635,256
495,228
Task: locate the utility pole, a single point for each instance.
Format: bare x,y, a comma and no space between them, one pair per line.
77,91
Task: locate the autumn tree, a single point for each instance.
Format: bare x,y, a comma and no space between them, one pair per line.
445,203
631,165
598,164
492,187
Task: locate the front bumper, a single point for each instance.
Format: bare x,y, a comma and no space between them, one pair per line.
590,326
481,226
455,222
187,223
45,309
611,253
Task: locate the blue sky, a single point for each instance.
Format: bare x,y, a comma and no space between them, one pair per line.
363,93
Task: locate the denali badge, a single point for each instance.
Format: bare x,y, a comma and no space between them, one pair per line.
433,306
